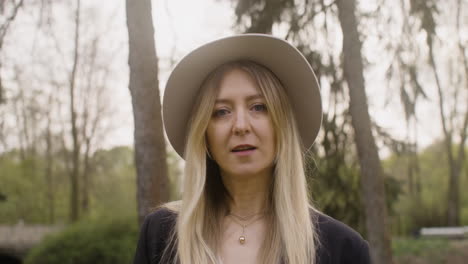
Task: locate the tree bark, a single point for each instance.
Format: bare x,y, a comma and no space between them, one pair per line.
150,149
372,180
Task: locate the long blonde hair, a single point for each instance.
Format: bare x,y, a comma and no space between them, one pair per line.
292,238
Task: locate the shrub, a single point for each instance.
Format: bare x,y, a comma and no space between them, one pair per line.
91,241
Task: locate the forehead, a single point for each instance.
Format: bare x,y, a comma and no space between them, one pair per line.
237,82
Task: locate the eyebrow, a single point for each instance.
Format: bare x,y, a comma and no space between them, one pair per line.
249,98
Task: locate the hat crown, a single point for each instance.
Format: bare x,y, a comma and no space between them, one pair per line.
279,56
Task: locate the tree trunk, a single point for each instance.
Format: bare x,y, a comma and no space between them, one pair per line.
85,177
453,202
372,180
453,199
150,149
49,168
74,181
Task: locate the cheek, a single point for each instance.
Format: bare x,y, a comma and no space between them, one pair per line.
270,132
210,136
272,138
214,137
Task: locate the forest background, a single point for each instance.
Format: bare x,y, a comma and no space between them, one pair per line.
67,98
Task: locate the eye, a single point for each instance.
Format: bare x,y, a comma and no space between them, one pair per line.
259,108
220,112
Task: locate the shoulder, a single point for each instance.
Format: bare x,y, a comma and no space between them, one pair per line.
161,218
161,215
338,243
332,229
159,223
155,235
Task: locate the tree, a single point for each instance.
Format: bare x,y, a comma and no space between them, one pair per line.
404,70
49,161
452,96
74,172
16,6
58,108
62,94
150,151
95,110
430,209
372,180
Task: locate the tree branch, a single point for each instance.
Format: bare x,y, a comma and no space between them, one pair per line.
6,25
447,133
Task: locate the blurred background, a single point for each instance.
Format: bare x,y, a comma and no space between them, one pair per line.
73,189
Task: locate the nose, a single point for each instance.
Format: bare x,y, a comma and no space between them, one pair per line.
241,123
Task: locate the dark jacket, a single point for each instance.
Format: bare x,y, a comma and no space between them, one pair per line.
339,244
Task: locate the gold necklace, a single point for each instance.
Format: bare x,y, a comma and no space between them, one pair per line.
247,217
242,238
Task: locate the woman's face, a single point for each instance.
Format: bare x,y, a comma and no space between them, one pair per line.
240,133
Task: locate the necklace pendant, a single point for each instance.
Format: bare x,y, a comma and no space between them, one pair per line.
242,240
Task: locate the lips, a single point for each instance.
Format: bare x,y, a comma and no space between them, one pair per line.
244,147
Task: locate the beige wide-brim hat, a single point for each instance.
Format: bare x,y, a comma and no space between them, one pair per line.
283,59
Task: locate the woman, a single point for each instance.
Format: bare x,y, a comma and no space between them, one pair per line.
241,111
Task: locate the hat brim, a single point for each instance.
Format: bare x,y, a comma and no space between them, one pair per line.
283,59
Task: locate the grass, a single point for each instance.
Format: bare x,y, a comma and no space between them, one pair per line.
429,251
418,246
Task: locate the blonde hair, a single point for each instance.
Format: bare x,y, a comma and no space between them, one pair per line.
292,238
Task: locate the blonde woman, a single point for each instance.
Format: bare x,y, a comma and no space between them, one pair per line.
241,111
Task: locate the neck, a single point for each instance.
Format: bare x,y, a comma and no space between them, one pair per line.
250,194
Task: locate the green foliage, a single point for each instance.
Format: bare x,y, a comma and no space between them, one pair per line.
429,250
426,205
418,247
24,182
334,177
90,241
113,187
337,193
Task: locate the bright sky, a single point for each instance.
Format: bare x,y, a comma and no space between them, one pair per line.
182,25
188,24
